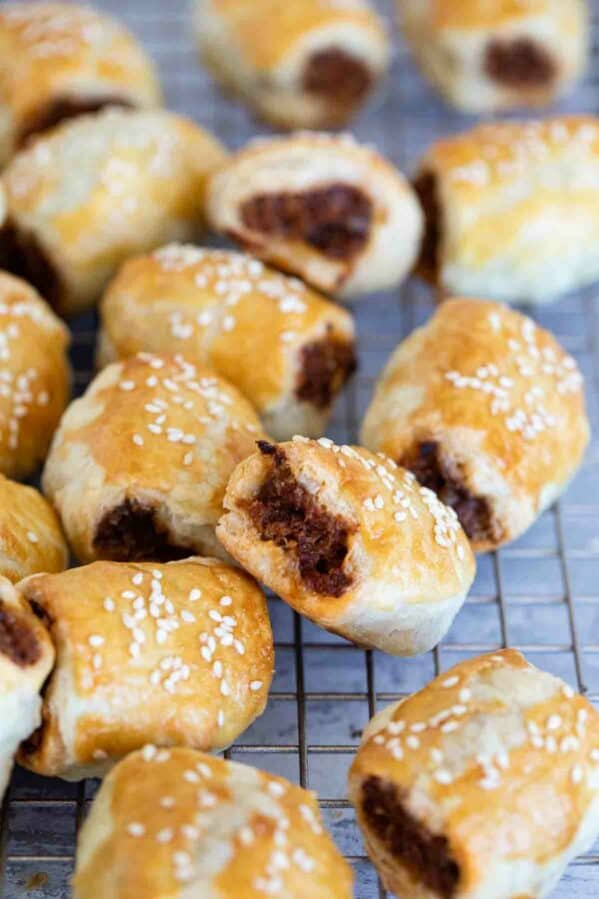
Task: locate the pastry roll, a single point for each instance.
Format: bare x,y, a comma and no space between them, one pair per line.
31,539
483,785
349,540
59,60
512,209
335,213
139,464
180,823
487,410
176,654
298,64
26,658
34,376
98,189
231,313
498,54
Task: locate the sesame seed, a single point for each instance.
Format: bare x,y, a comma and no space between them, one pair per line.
167,802
96,640
138,440
554,722
165,835
135,829
450,681
33,538
255,685
225,601
443,776
576,774
195,594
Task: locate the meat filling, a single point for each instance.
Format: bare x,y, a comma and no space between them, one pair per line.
427,856
335,220
61,108
425,186
286,513
519,63
22,254
337,76
325,367
474,513
131,532
17,641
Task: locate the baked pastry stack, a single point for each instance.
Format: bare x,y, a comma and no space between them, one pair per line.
31,538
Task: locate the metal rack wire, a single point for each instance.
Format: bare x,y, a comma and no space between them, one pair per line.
540,594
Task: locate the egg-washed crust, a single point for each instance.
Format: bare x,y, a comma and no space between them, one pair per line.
495,758
167,823
349,540
472,14
324,207
175,654
150,445
498,396
34,376
98,189
58,59
31,538
230,312
515,208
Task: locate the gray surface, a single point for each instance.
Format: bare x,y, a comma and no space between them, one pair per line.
541,594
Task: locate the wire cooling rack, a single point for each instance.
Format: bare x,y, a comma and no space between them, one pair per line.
540,594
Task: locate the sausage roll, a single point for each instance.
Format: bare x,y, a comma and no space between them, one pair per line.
176,654
139,464
229,311
34,376
512,209
180,823
323,207
483,785
26,658
58,61
349,540
98,189
31,539
498,54
298,64
487,410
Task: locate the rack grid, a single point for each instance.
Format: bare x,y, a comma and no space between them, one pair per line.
540,594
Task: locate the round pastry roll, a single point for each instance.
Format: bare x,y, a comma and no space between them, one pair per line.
499,54
487,410
180,823
298,64
323,207
31,538
483,785
349,540
230,312
26,658
139,464
34,376
59,60
175,654
98,189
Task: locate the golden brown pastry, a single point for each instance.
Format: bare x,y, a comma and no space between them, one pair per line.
26,657
139,464
323,207
512,209
298,64
31,538
176,654
98,189
483,785
231,313
349,540
34,376
58,60
183,824
487,410
498,54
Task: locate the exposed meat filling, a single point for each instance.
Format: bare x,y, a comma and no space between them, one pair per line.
325,367
22,254
286,513
17,641
131,532
337,76
425,186
61,108
519,63
474,513
426,855
335,220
